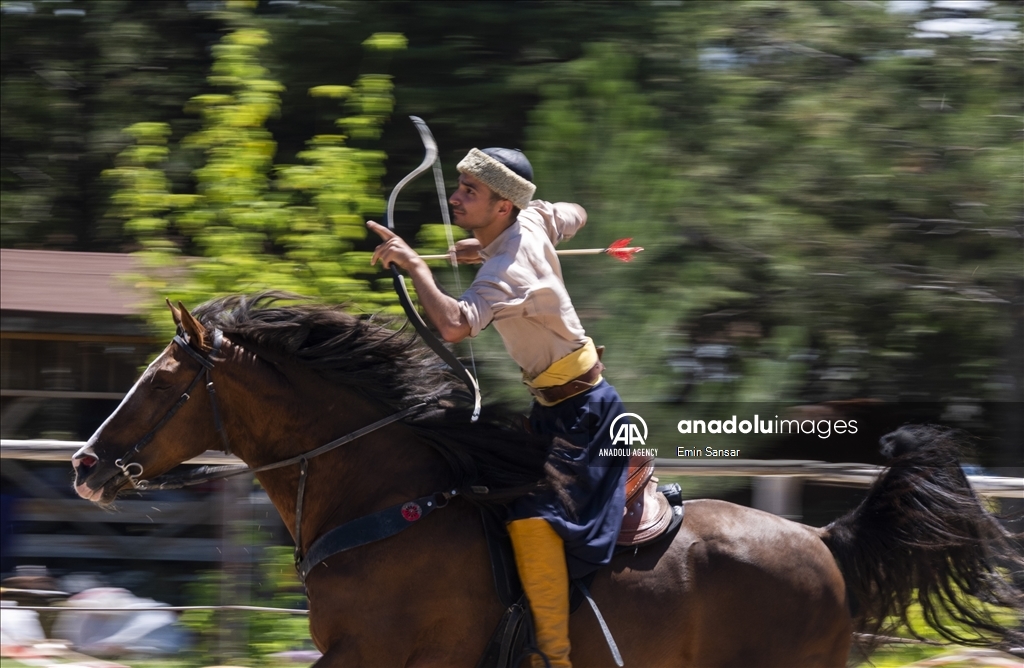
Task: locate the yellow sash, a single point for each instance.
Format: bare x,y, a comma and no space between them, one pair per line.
573,365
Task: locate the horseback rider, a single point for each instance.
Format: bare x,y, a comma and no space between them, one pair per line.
519,288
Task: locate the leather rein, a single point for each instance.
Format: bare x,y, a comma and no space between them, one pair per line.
363,530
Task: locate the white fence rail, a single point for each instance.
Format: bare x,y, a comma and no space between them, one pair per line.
776,483
61,451
156,524
859,475
816,471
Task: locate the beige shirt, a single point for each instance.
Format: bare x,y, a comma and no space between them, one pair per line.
520,288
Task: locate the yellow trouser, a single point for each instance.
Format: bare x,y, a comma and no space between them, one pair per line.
540,560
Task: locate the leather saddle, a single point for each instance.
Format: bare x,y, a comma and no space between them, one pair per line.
648,513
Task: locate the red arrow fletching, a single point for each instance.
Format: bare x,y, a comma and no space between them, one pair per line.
620,250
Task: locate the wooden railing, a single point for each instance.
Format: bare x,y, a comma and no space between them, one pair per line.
159,522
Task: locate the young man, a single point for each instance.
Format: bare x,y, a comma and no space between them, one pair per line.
520,289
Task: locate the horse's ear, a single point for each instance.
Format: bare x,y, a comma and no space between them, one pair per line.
195,330
175,313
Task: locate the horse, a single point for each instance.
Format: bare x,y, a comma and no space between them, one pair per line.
733,586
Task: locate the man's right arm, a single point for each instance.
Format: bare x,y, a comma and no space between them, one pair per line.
442,311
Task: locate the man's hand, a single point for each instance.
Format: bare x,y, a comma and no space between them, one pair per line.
394,250
442,311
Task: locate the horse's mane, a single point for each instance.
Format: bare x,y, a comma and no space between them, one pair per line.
369,356
361,353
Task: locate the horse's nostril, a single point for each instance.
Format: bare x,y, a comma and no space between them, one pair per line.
87,462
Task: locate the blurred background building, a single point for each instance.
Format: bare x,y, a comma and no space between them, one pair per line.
73,343
72,340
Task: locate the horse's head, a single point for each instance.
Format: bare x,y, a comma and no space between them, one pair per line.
156,427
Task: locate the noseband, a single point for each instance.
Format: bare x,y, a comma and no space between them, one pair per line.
126,463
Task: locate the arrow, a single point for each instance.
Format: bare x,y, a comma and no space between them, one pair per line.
617,249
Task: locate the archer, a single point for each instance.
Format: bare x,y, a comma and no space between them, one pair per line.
519,288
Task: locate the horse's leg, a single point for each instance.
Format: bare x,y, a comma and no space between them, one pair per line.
736,587
336,657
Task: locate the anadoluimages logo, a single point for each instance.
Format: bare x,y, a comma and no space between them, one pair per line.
628,433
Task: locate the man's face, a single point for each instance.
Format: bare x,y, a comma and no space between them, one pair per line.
472,205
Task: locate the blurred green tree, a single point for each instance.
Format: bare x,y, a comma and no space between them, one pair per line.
830,194
74,75
832,202
252,225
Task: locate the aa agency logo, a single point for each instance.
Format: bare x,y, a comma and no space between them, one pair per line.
628,433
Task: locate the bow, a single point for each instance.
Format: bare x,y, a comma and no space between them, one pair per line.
430,158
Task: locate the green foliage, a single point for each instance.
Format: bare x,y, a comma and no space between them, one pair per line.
386,41
277,586
894,655
823,194
252,225
830,201
70,84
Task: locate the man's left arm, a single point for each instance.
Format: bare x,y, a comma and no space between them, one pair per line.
561,220
581,214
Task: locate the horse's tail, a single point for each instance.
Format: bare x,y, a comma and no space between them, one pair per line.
921,534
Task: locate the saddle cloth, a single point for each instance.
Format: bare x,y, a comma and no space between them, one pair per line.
647,514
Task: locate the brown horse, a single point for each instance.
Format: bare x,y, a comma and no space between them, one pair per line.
732,587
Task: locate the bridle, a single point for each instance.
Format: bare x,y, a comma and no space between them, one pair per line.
369,528
206,366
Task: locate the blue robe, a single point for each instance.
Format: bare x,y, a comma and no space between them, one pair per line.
598,490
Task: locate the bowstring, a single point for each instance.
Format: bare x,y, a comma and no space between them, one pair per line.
442,197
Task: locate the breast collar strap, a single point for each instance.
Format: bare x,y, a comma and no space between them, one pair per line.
368,529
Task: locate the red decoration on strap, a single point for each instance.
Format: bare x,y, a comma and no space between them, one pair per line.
412,511
622,251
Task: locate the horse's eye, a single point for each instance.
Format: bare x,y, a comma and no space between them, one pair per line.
161,384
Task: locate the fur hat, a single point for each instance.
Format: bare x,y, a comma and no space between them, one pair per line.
503,170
